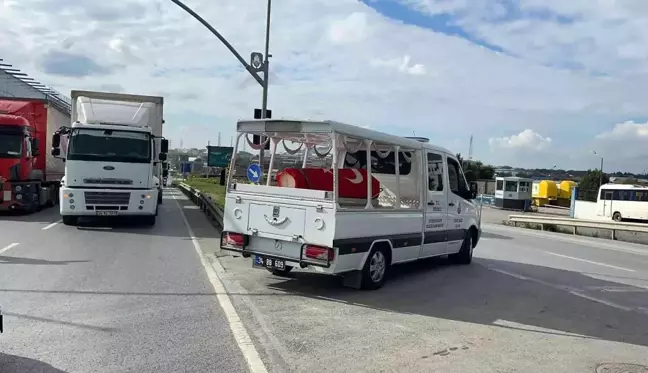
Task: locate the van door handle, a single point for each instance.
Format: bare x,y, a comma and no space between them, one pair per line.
451,204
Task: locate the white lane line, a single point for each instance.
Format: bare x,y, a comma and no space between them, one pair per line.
591,262
236,325
11,245
570,290
51,225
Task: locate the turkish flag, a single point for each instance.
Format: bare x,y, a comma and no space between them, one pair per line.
352,182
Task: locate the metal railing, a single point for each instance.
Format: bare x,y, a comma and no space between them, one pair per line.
544,221
204,202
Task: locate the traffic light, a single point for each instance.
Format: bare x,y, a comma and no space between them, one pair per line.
256,139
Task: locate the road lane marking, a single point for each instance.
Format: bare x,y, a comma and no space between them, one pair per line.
11,245
241,335
51,225
591,262
570,290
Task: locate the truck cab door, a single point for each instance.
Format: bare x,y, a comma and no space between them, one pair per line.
434,239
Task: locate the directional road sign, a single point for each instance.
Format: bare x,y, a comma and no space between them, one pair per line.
254,172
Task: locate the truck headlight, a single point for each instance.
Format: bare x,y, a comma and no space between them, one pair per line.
18,188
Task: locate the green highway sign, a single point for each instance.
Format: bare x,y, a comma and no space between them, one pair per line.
219,156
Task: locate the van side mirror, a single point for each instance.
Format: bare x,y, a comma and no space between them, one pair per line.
165,166
56,140
162,157
35,147
473,190
56,152
164,146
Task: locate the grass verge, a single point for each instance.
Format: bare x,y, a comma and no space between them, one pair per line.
209,186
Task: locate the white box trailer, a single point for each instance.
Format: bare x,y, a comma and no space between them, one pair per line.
122,179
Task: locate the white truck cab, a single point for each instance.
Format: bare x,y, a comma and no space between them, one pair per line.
338,216
113,156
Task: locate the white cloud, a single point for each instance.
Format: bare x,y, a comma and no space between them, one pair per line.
401,64
626,131
342,60
527,140
351,29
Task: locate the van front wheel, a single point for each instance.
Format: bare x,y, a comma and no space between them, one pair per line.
464,256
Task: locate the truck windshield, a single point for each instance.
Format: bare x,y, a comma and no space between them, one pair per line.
109,145
11,145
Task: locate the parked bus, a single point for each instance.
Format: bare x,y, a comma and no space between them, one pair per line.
620,201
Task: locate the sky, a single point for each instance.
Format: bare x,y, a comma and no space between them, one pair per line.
537,83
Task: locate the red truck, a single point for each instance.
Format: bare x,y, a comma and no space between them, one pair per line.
29,175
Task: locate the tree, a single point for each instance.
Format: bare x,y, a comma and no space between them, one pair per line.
476,170
589,185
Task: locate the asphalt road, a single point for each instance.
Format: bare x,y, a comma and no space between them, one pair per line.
139,299
530,302
109,299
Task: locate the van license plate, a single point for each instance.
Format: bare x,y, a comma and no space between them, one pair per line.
106,213
260,261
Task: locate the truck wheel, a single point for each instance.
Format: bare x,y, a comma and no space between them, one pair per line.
70,220
374,273
464,256
281,272
160,198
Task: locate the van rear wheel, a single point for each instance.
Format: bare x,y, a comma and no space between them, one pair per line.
374,273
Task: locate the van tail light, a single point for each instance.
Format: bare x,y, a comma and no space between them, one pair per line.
319,253
231,239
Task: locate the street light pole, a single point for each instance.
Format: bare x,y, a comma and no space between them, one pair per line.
600,170
601,177
220,37
266,69
263,82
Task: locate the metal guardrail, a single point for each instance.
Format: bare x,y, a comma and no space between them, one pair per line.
579,223
204,202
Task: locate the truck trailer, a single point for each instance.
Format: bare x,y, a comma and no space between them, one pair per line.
114,156
29,175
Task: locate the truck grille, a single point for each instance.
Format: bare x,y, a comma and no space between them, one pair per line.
108,181
107,198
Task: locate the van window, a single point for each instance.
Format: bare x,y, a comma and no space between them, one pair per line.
435,172
500,185
456,179
379,165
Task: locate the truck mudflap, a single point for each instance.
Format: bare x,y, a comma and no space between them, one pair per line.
309,254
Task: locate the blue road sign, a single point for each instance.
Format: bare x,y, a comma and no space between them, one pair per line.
185,167
254,172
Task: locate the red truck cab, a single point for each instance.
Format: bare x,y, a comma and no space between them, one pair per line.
23,131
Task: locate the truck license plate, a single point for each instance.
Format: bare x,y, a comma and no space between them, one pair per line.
260,261
106,213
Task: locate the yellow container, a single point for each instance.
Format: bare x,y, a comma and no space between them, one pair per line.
545,189
565,188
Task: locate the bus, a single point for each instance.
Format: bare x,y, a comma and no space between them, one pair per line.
621,201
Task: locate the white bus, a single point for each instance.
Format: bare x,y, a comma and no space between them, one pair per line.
620,201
